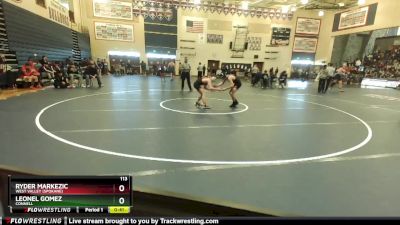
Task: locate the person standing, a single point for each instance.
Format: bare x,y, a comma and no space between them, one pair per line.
163,71
331,73
358,63
99,66
272,77
340,73
323,75
283,79
105,67
199,71
265,79
254,72
234,86
143,68
213,69
171,69
186,74
201,85
204,70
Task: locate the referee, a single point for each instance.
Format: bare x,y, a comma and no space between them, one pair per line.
186,74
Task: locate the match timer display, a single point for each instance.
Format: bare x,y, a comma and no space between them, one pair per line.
98,194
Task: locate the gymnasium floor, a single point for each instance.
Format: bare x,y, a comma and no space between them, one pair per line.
286,152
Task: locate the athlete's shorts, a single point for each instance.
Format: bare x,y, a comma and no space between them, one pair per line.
197,85
238,84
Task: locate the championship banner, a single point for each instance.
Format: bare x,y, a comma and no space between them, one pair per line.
308,26
59,14
112,9
354,18
113,32
305,44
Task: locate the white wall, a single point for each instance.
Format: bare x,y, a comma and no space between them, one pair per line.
221,52
325,40
100,48
32,7
205,51
387,16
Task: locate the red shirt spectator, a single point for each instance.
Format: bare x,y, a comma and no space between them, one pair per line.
29,69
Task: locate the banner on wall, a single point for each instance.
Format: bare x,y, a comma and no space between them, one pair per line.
280,36
254,43
308,26
362,16
215,39
354,18
113,32
305,44
58,13
141,6
236,66
112,9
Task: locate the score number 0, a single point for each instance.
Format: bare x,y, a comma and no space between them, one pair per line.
121,188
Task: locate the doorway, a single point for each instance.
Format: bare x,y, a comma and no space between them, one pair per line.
260,65
213,66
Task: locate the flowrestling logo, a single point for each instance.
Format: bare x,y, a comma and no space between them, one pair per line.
9,220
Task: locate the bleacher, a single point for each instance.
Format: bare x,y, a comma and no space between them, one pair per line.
25,35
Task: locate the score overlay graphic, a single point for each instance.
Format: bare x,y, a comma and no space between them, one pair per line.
97,194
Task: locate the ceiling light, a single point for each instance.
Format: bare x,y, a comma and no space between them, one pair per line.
245,5
341,4
160,56
361,2
321,13
197,2
304,2
121,53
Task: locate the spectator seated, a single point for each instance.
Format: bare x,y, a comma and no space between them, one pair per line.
92,73
382,64
29,75
75,76
60,80
46,71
